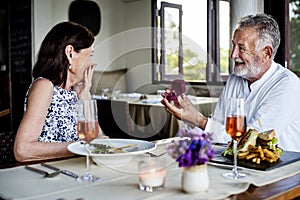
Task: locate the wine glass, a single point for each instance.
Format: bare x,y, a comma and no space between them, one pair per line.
87,130
236,128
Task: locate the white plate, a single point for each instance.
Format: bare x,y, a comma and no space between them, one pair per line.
114,159
141,147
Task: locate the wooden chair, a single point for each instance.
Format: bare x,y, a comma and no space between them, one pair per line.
5,120
7,140
4,112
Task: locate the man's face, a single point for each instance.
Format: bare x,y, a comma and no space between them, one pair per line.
248,60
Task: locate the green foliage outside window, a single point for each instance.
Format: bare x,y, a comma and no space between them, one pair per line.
295,36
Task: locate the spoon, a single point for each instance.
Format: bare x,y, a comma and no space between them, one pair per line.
46,174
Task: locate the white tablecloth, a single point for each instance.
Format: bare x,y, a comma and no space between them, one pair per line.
122,182
151,118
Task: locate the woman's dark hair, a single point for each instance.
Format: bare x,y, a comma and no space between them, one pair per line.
52,63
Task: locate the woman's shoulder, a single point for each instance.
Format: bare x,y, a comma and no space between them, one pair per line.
41,84
40,93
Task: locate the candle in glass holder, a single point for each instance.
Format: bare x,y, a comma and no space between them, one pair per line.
152,174
155,178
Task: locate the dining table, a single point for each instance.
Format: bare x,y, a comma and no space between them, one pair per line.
121,181
148,115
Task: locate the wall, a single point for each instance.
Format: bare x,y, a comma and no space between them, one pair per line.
242,8
122,41
139,48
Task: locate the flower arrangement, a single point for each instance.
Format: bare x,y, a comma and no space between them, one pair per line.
193,148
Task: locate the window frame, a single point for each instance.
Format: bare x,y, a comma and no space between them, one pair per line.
164,76
270,7
213,75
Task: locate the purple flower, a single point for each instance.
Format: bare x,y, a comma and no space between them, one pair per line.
193,148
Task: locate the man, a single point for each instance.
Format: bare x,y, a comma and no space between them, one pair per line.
271,92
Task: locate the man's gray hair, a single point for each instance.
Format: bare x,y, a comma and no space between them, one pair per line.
267,27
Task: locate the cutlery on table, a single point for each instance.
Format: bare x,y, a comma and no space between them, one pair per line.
46,174
125,147
220,144
155,155
66,172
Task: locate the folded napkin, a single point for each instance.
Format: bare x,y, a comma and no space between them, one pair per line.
130,95
151,101
99,97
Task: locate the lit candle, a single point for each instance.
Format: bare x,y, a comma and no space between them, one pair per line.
153,178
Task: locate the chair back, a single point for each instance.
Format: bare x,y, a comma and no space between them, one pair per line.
114,117
7,140
5,120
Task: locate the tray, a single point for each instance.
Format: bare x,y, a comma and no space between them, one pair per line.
287,158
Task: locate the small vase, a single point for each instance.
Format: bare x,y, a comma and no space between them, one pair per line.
195,179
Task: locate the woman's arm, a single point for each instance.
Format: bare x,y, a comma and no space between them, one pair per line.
83,90
27,147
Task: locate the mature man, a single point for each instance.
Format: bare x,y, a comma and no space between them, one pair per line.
271,92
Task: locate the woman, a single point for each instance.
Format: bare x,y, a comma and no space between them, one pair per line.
62,75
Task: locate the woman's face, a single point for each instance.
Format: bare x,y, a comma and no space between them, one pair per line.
81,61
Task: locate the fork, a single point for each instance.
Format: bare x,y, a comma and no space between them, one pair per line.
46,174
154,155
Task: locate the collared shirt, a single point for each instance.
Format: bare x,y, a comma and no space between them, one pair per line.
273,99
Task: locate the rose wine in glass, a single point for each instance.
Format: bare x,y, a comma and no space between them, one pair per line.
236,128
87,130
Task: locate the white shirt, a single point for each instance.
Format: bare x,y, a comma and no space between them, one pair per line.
274,99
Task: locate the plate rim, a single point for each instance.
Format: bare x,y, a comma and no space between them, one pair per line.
69,147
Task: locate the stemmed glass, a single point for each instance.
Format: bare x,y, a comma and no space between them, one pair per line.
236,128
87,130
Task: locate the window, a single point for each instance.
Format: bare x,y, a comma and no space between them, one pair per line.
225,38
188,43
171,41
294,13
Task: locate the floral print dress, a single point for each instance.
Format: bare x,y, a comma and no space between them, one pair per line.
61,119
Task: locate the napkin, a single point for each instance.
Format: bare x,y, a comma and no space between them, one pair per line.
151,101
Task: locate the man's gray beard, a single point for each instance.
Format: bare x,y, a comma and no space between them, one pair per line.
241,71
248,71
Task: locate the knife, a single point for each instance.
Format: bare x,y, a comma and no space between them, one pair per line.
66,172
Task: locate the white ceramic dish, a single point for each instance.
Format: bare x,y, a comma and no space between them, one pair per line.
114,159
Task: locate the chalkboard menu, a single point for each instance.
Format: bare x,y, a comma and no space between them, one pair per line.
20,55
21,36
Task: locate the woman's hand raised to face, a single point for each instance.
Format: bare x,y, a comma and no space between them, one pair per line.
83,88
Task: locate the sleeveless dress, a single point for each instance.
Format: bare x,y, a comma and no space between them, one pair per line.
61,119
